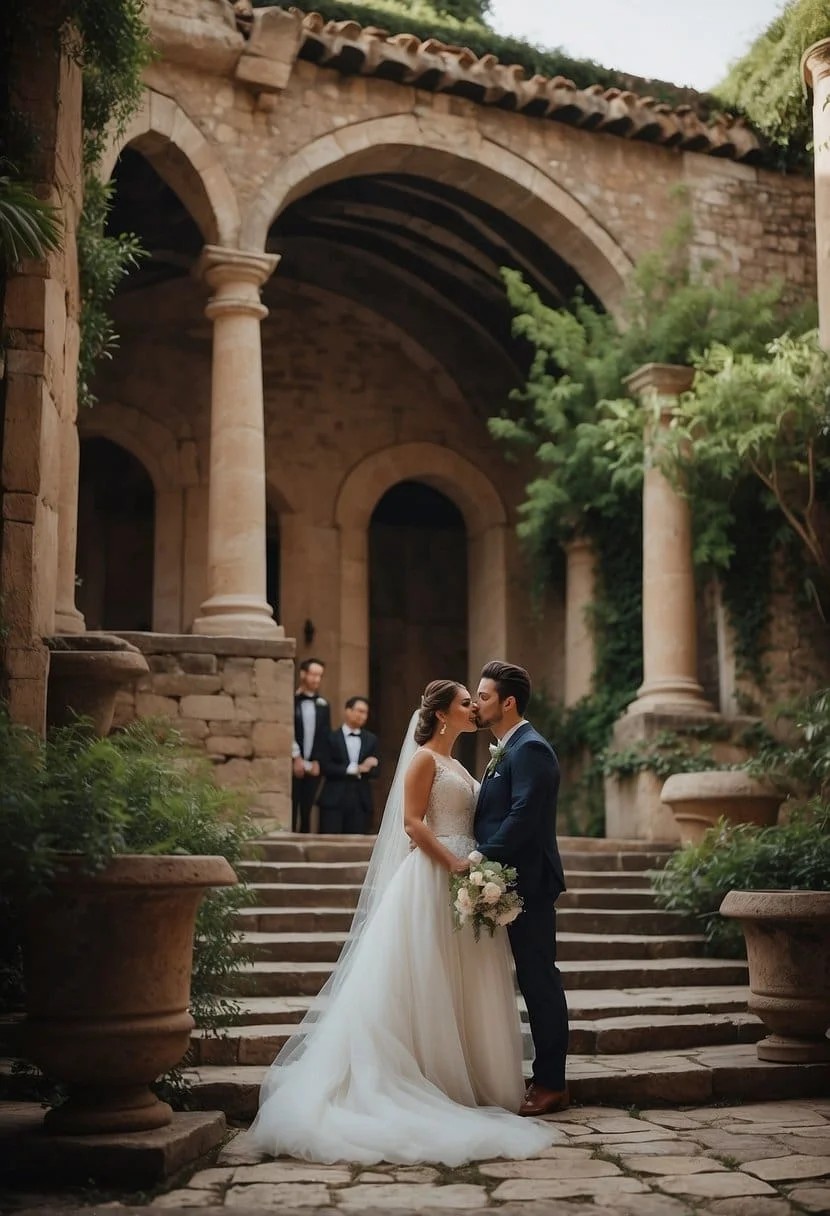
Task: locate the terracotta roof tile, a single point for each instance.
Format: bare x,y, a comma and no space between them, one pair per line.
350,48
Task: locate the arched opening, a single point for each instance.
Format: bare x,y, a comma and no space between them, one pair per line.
418,629
272,561
116,526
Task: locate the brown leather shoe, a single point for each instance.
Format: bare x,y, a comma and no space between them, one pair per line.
539,1101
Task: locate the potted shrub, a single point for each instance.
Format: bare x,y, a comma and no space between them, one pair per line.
86,672
107,848
766,891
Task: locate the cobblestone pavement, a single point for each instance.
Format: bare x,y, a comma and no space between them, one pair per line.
763,1159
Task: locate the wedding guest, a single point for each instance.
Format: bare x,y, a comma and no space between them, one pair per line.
312,725
349,764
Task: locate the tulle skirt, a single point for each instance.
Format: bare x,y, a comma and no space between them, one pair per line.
417,1056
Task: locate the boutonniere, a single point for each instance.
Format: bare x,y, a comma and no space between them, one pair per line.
321,701
497,752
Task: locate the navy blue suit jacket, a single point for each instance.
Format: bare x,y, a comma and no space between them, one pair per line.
515,820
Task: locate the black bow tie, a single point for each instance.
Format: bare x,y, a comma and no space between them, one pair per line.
307,696
354,734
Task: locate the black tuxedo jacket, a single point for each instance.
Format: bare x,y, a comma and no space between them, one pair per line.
515,820
321,731
342,789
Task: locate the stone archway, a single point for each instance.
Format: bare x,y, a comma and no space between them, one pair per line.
485,519
172,467
178,151
459,155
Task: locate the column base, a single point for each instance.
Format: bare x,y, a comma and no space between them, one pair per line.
69,620
237,616
670,696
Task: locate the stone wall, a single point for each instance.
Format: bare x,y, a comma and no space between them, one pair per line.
231,698
40,334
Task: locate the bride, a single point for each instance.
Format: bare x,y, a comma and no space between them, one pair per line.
412,1052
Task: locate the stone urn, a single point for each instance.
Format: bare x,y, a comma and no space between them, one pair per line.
699,800
107,966
788,947
86,671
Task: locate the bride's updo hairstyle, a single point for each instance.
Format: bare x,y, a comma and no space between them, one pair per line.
440,694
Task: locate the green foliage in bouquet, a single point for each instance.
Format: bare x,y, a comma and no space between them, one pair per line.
485,897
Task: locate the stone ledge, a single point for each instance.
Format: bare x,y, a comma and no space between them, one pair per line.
192,643
139,1159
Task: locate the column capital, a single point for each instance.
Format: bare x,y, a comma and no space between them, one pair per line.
578,545
660,379
236,276
815,62
218,266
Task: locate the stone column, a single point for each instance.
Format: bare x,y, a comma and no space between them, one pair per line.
67,617
236,605
669,618
815,65
580,656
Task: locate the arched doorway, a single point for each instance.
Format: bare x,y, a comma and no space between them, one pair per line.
116,526
418,627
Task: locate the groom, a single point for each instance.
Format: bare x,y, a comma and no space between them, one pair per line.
515,823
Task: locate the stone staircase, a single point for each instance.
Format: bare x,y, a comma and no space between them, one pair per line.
652,1020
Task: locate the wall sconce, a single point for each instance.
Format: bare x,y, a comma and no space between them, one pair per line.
308,631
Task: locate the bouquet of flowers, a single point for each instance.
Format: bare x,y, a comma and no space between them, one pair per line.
485,896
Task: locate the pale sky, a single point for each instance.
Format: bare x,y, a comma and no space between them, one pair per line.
690,43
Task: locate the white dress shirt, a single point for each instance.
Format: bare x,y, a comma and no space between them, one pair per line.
503,740
353,742
308,713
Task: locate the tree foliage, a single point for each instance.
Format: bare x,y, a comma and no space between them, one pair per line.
766,84
766,415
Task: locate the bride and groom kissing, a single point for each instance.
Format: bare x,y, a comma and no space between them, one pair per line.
412,1052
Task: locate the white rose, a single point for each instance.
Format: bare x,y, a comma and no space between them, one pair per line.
464,918
491,892
475,857
462,899
477,878
507,918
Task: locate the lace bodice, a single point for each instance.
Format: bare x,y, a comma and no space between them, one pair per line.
452,800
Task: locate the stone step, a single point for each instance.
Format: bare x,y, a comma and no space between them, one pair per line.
312,849
353,872
691,1077
326,947
259,1044
296,872
345,895
575,920
585,1004
607,879
641,859
606,897
306,895
307,978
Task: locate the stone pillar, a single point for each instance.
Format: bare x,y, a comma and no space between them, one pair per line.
67,617
669,620
580,656
815,65
236,605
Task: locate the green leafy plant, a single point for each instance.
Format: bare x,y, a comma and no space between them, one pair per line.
760,415
765,83
795,856
103,262
29,227
138,791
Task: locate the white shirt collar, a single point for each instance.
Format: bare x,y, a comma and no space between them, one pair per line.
503,740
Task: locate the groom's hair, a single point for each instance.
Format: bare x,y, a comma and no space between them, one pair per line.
510,681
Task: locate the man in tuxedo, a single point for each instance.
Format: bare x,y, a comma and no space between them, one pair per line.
312,725
515,823
349,765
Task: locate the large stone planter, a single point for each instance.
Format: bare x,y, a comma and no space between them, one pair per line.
788,947
86,671
699,800
107,976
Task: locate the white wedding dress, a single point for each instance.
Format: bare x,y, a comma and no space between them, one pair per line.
416,1055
